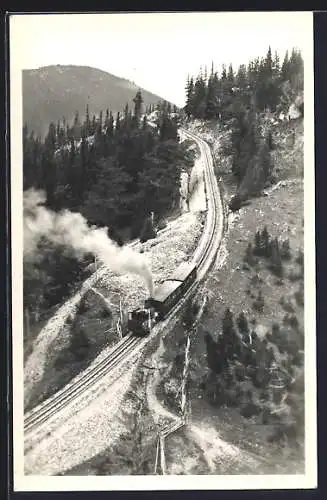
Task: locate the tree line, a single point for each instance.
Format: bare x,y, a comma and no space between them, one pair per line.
263,83
238,99
115,171
112,170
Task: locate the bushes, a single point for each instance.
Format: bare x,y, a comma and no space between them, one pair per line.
286,304
268,248
82,306
249,257
275,264
300,258
215,355
191,310
240,372
243,325
278,337
259,303
235,365
235,203
148,232
256,280
250,408
275,251
291,320
285,250
262,243
299,295
293,275
80,343
105,313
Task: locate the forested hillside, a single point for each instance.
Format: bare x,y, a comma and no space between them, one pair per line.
252,333
52,93
112,170
240,101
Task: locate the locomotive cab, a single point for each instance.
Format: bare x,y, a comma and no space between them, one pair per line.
138,322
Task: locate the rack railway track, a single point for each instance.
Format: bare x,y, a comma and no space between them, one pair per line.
203,258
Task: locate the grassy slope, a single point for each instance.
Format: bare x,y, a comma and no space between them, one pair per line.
281,210
227,286
282,213
70,356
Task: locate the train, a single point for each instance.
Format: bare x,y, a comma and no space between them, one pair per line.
164,297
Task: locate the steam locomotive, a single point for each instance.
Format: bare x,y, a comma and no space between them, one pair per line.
164,298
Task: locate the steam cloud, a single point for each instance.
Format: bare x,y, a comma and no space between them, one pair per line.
71,230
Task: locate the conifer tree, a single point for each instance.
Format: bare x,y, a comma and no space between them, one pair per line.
106,121
211,98
88,127
249,258
117,123
223,73
243,324
230,75
76,132
265,242
259,303
268,64
230,337
241,77
144,123
93,125
257,243
138,103
199,96
285,68
276,65
189,94
276,264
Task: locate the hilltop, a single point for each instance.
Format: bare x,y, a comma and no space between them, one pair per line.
53,92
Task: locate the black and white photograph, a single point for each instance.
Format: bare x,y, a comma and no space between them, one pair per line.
163,251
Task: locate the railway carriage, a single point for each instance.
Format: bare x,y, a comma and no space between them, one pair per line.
164,298
167,294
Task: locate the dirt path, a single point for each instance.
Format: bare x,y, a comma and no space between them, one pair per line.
160,414
221,456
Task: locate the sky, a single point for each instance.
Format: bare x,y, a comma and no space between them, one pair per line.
155,50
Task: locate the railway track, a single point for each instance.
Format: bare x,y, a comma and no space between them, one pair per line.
44,411
203,258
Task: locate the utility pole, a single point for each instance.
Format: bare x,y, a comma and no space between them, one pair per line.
120,320
119,329
162,455
157,456
149,320
96,267
120,310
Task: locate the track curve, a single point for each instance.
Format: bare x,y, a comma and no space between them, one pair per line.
204,257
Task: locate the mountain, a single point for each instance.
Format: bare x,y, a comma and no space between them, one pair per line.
53,92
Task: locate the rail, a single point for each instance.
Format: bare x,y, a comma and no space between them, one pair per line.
203,258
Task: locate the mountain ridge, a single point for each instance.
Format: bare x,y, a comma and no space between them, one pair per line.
54,92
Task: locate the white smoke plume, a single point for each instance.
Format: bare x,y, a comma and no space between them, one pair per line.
71,230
